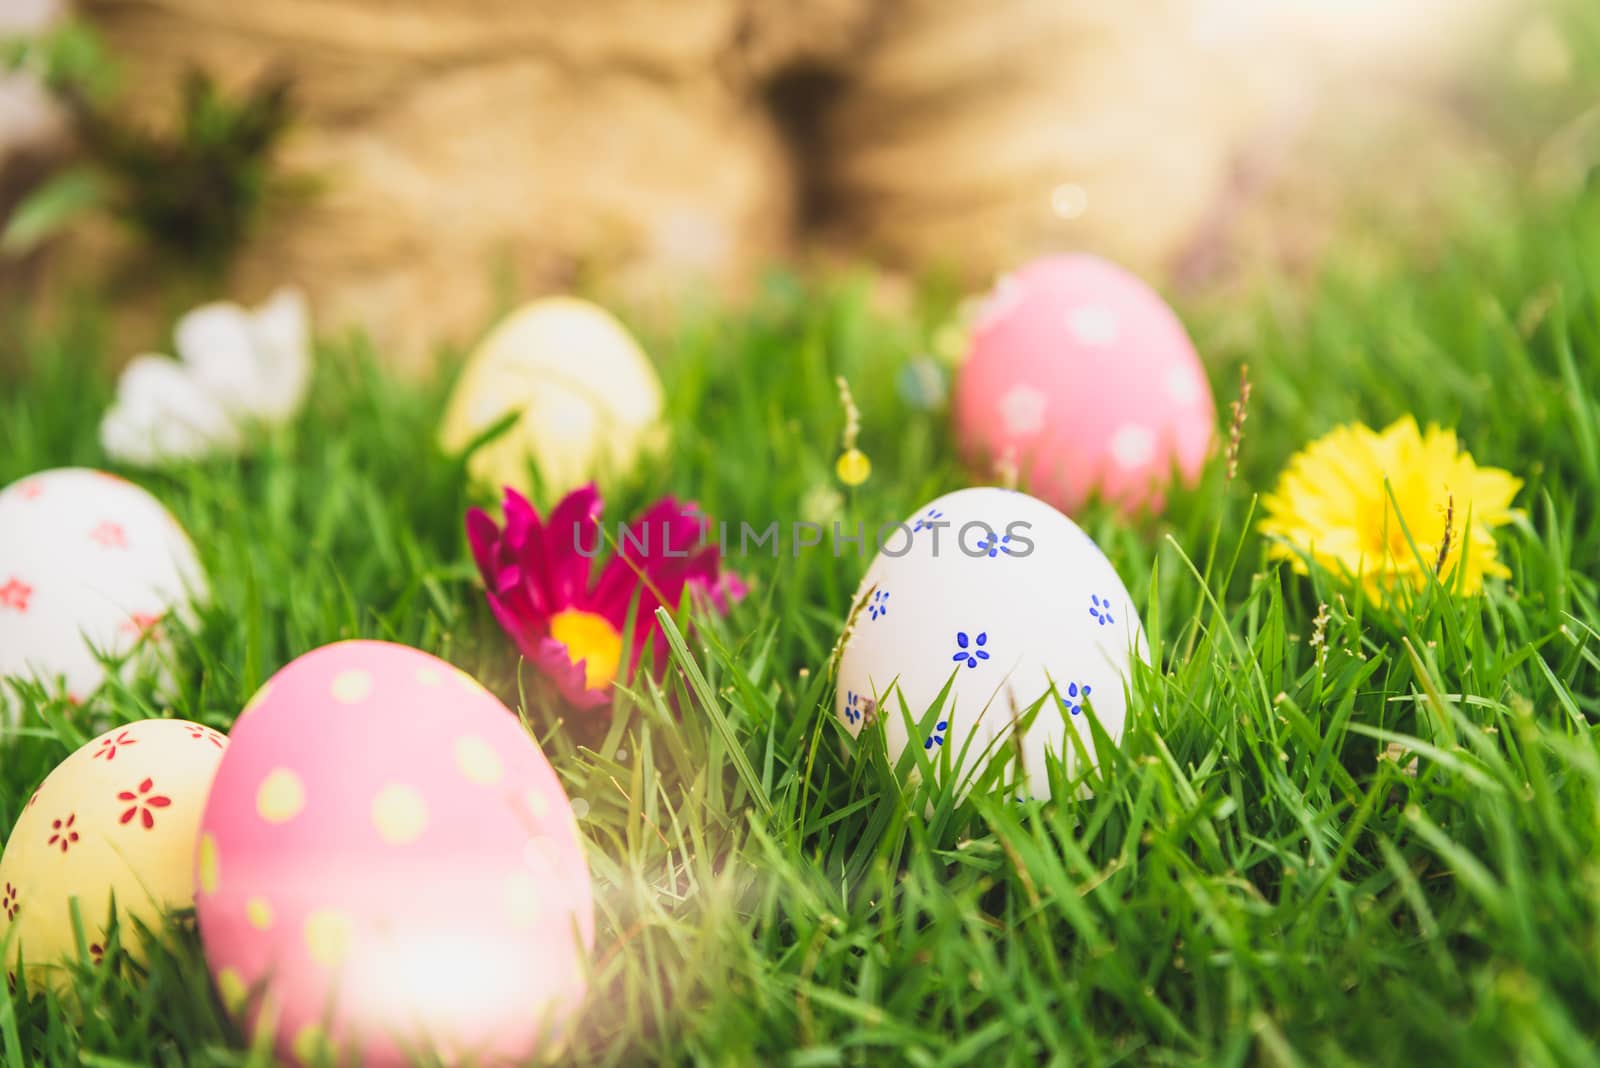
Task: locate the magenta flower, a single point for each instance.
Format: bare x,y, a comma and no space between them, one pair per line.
570,625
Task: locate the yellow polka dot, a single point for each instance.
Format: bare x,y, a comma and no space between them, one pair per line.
311,1045
538,804
257,699
210,872
429,677
477,761
522,898
259,913
327,937
281,796
399,814
231,986
351,686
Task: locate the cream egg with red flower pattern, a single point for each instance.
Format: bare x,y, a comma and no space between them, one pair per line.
117,819
411,880
89,563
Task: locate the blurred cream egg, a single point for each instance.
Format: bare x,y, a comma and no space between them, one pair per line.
119,817
1008,602
588,400
88,561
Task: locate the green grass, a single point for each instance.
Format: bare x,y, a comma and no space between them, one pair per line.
1250,882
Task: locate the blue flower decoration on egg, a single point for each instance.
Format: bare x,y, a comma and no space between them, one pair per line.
852,707
926,522
937,737
879,605
1100,610
971,650
1076,694
992,547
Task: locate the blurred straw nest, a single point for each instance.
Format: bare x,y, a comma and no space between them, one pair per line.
652,150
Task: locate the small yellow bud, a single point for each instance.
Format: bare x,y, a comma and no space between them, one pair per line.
853,468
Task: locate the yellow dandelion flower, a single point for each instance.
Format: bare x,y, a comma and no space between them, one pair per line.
1333,504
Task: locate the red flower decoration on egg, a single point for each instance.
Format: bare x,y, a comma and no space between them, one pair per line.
205,734
142,804
9,902
110,535
110,744
140,624
62,833
14,595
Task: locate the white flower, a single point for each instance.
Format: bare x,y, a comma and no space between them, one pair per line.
236,368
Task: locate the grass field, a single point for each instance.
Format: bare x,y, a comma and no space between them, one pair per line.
1257,878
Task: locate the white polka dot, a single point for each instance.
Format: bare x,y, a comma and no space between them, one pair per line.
1182,384
1092,324
1022,410
1132,446
429,677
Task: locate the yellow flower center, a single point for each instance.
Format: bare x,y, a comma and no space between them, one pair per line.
1383,533
592,639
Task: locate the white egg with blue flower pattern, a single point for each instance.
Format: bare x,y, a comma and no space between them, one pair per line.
1008,601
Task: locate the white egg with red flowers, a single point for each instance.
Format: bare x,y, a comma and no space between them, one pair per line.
1008,602
88,562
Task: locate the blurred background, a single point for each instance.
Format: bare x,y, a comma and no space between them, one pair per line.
412,163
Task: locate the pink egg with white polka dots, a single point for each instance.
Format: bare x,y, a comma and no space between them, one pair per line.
388,866
1081,379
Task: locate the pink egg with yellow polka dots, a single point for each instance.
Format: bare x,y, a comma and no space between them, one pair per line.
1082,380
388,866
